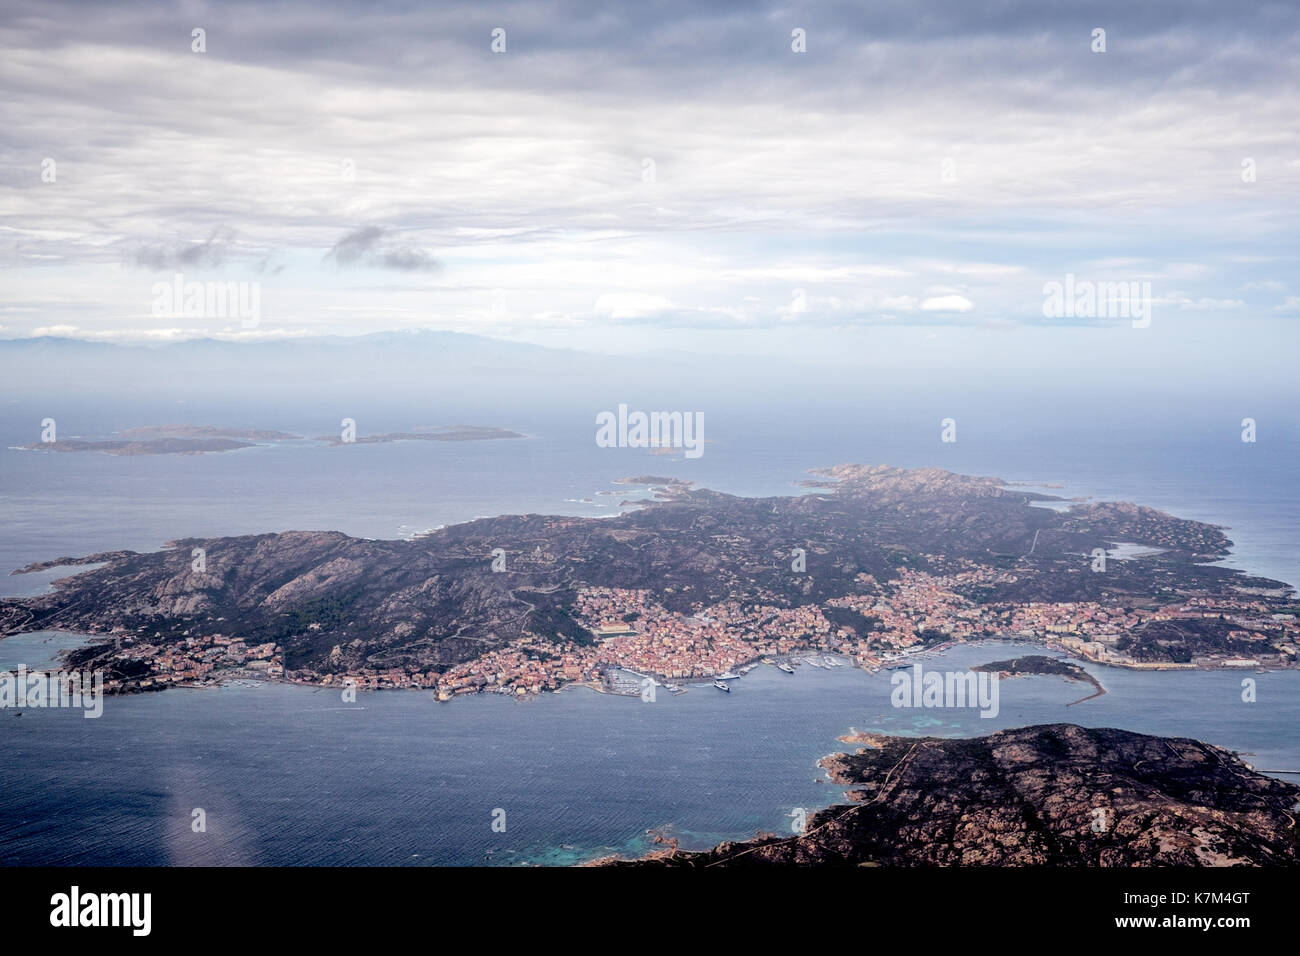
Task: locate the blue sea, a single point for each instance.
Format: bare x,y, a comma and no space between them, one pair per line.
296,776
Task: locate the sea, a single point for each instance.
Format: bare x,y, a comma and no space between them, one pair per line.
289,775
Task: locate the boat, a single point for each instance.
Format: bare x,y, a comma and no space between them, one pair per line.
783,666
768,660
728,676
722,685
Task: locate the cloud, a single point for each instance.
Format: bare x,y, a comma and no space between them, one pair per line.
1205,304
517,172
631,305
899,303
947,303
166,256
377,247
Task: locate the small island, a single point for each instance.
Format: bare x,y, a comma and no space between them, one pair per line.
433,433
178,439
173,439
1042,665
148,432
153,446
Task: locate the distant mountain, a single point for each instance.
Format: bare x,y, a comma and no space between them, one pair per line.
381,358
415,362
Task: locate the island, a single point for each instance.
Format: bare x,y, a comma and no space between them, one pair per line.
152,446
872,564
1049,795
168,440
206,439
433,433
1042,665
205,431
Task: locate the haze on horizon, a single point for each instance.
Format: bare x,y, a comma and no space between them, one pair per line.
670,178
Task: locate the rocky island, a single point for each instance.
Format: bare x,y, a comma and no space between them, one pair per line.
871,563
1040,664
1049,795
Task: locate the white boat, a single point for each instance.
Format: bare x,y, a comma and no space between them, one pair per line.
783,666
728,676
722,685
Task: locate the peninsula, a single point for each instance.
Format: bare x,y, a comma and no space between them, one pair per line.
1041,664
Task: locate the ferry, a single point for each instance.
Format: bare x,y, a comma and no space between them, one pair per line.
783,666
728,676
722,685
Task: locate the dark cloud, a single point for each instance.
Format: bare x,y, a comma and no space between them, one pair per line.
210,252
376,246
352,247
687,47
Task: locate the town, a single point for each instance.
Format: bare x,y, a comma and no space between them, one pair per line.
634,633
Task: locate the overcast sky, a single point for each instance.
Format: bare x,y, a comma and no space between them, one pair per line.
662,175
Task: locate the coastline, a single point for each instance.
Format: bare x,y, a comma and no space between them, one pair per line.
794,658
698,829
916,612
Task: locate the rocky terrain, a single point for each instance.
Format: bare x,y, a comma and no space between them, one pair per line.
335,602
1050,795
1041,665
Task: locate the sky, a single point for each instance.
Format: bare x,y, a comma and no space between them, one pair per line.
853,184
